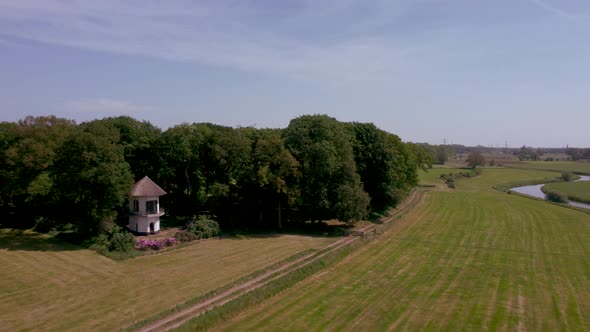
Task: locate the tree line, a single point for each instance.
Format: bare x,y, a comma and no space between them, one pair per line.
55,173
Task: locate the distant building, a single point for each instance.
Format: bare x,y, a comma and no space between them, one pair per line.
144,207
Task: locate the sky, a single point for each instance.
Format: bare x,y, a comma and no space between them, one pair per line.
473,72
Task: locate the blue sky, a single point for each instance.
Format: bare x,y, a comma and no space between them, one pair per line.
473,72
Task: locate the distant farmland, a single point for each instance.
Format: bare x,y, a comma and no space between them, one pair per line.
557,166
473,258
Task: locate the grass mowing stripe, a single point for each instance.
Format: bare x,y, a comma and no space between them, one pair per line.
216,291
48,286
472,258
217,314
226,304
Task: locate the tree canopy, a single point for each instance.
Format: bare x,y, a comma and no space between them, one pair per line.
318,168
475,159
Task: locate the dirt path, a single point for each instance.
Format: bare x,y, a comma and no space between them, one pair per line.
179,318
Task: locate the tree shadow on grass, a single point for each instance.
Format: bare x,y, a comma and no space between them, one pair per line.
377,217
313,229
28,240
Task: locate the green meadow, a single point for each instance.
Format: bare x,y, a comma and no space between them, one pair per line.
575,191
469,258
472,258
557,166
49,285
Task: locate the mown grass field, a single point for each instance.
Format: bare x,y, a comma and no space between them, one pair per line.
472,258
576,191
432,176
557,166
48,285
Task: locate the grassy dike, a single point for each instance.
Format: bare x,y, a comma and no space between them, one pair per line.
227,311
257,296
472,258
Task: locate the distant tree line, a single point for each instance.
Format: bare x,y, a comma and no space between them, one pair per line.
440,154
55,173
528,153
578,154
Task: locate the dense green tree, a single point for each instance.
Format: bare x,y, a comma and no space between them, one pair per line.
226,162
527,153
276,169
7,140
352,202
441,154
404,168
316,169
203,167
138,139
375,155
180,170
422,156
28,151
476,159
90,176
323,148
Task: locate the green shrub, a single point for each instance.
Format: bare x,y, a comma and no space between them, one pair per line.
567,176
103,240
185,236
449,179
556,196
204,227
122,241
113,239
107,226
100,249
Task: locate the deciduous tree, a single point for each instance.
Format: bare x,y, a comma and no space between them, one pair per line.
476,159
90,176
323,148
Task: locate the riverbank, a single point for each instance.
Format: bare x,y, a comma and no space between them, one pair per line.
536,190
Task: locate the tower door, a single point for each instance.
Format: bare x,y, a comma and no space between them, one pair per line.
152,228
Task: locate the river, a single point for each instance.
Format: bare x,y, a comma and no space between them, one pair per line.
535,191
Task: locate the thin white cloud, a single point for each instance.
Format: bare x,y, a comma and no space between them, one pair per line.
333,42
103,106
220,35
552,9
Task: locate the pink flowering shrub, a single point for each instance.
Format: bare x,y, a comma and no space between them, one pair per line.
147,244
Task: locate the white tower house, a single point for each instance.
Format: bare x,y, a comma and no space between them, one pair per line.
144,207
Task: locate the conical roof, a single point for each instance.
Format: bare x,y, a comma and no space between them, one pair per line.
146,187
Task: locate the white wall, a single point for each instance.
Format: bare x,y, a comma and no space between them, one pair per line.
142,201
141,223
